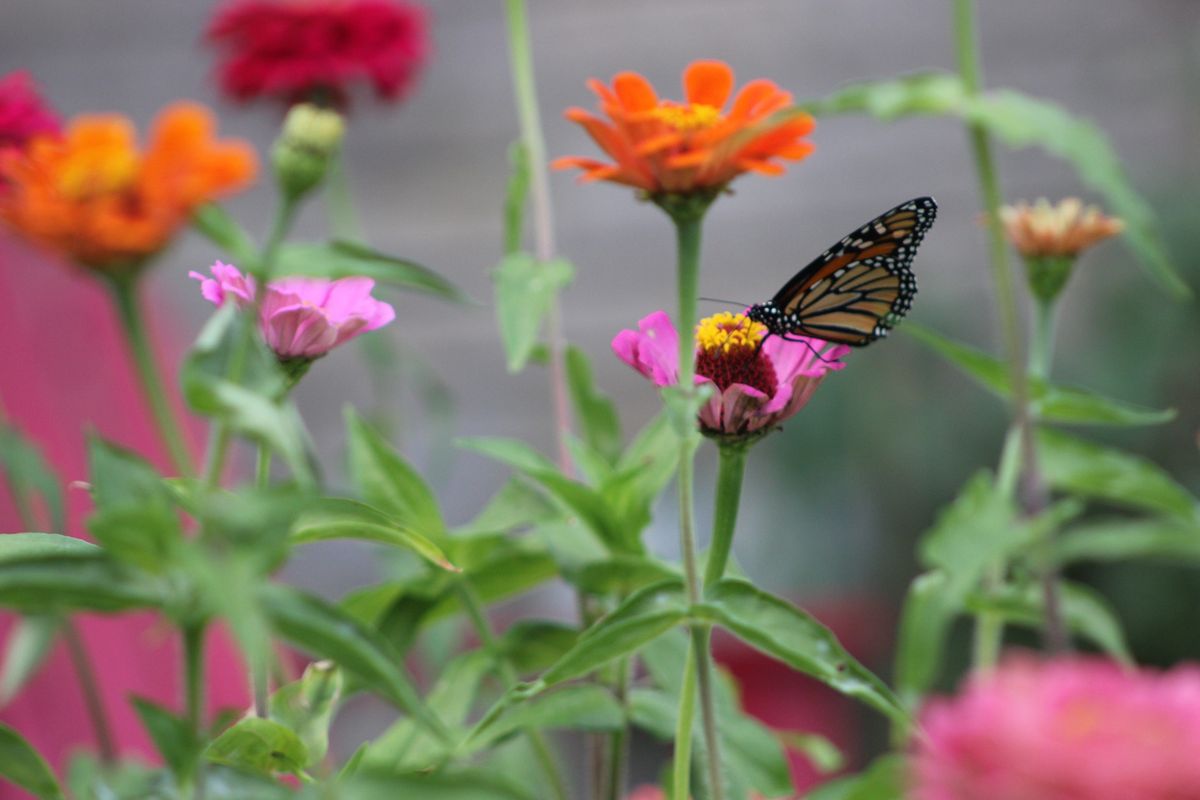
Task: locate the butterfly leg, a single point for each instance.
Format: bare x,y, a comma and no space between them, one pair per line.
807,344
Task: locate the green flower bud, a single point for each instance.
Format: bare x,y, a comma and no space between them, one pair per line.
311,136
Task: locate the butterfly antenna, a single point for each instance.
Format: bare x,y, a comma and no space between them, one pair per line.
723,300
807,344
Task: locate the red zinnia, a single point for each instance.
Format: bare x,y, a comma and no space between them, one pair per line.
316,50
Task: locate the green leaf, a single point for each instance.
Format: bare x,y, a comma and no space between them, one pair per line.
576,707
824,755
929,608
1023,121
1050,403
585,502
306,707
390,483
1091,470
254,405
172,736
1085,612
328,632
259,745
885,779
515,197
135,518
1167,539
525,291
921,93
22,766
976,530
215,223
517,505
27,473
530,645
643,617
29,643
596,413
620,575
340,518
344,259
783,631
80,578
465,785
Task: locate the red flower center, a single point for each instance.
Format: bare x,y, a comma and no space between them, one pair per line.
728,351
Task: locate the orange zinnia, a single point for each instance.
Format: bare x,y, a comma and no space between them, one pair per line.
665,147
92,196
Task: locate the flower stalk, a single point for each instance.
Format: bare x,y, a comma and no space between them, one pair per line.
124,287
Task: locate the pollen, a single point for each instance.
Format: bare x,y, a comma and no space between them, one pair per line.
688,117
729,334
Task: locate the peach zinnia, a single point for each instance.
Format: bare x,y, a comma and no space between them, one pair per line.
94,197
667,147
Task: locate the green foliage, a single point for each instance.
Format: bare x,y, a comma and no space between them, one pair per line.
221,229
174,739
596,413
885,779
576,707
515,197
49,573
341,518
1049,403
345,259
29,475
525,292
306,707
259,745
29,643
135,518
1161,538
1022,121
21,765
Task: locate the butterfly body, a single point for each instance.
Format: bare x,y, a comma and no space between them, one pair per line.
855,291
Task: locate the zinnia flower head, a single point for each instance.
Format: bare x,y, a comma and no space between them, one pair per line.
1070,729
94,197
665,147
23,112
301,319
1063,229
317,50
758,381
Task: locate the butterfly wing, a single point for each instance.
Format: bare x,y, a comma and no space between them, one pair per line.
855,291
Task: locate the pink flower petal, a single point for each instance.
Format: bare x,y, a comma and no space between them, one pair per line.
653,349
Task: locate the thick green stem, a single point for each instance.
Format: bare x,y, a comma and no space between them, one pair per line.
193,677
619,741
125,296
222,436
525,90
1041,352
682,775
483,629
731,468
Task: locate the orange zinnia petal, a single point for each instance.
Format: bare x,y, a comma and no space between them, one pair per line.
657,143
693,159
708,82
634,92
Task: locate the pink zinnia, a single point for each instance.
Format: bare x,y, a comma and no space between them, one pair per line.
758,381
302,318
23,112
1071,729
318,49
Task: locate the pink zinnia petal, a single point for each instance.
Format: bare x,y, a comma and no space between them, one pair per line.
652,350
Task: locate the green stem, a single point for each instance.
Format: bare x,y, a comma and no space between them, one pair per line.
91,693
1031,493
688,224
125,295
684,722
343,221
193,677
1041,353
260,671
483,629
731,468
218,451
619,741
525,89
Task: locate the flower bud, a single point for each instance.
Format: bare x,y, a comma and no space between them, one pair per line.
310,137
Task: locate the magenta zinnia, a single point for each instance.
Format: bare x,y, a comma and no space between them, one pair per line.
301,318
24,114
1071,729
758,381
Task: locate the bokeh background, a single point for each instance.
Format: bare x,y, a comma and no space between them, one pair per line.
833,505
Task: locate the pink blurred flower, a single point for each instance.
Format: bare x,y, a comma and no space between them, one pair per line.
316,50
23,112
302,318
759,381
1072,729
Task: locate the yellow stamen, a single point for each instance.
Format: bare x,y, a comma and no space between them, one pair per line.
729,334
690,117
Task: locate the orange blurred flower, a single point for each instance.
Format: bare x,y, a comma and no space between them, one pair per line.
92,196
1066,228
667,147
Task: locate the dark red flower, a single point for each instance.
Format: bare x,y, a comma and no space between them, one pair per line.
23,112
317,50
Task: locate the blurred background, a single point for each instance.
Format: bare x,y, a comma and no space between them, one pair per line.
833,505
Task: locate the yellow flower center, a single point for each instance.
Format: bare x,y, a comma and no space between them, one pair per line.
689,117
729,334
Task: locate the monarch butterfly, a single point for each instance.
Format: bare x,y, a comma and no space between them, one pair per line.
855,291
